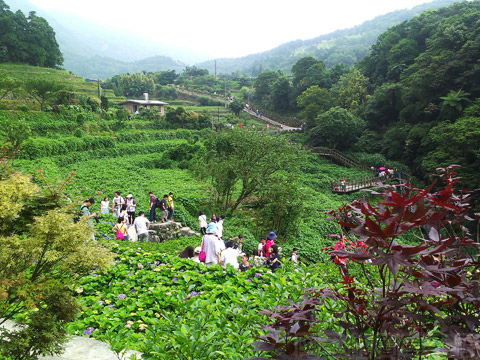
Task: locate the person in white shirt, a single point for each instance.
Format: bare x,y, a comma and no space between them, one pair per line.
220,246
117,203
220,226
202,222
230,256
141,226
196,253
130,208
295,256
104,205
211,246
261,244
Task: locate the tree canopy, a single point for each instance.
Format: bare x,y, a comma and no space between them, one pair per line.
29,40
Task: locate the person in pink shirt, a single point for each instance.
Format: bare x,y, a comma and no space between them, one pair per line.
270,241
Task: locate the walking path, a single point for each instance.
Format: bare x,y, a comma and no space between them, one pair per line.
270,121
364,183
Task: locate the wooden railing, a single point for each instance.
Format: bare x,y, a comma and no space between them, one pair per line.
364,182
339,157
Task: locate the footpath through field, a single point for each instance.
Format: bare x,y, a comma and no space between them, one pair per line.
270,121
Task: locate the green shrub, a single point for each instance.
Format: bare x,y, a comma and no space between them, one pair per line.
23,107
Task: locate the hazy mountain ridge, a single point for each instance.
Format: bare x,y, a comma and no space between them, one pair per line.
347,45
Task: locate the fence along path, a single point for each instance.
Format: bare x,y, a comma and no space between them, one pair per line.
270,121
356,183
338,156
365,182
336,186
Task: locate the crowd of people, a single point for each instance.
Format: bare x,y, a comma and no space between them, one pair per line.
129,223
213,249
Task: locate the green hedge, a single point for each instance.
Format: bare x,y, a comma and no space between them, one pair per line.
41,147
154,148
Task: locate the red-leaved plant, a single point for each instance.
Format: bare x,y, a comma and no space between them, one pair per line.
421,294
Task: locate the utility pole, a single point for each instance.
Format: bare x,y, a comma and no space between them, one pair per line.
225,93
98,87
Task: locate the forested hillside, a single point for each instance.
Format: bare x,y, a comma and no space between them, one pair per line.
414,99
28,40
342,46
424,107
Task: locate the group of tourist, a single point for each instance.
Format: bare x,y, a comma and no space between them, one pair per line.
126,207
215,250
124,210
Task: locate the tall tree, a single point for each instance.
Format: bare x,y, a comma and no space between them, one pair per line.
263,87
337,128
246,161
42,90
300,68
351,91
27,40
313,102
281,94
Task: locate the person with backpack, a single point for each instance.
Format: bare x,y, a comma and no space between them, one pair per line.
85,212
163,208
153,204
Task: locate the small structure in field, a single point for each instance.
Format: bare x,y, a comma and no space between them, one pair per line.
134,106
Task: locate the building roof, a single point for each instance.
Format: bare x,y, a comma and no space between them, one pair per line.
143,102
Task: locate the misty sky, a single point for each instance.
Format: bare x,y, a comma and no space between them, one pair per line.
228,29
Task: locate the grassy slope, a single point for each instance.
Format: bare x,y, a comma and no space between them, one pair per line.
75,83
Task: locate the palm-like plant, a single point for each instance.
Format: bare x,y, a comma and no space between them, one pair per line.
454,99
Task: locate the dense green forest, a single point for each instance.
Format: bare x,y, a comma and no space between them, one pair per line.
29,40
414,99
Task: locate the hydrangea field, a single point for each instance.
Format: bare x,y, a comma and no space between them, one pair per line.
168,307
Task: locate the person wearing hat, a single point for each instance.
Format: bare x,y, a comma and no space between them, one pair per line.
196,253
270,241
85,212
210,245
130,208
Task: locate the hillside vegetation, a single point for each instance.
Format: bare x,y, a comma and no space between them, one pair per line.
389,273
28,40
346,46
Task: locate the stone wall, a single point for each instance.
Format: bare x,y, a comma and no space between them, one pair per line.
170,230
